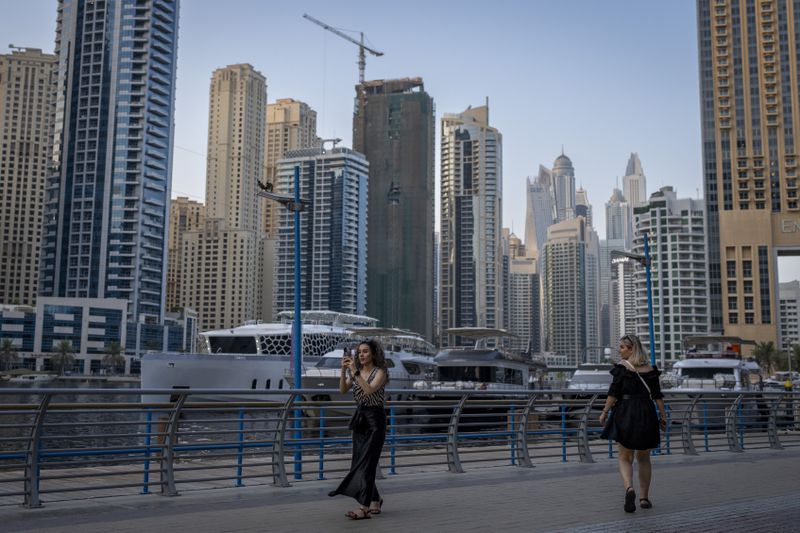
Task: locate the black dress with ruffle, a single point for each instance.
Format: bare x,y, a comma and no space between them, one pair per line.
634,420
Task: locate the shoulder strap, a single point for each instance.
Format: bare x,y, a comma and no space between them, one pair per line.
638,374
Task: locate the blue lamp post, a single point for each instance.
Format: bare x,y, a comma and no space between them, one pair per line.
645,261
295,205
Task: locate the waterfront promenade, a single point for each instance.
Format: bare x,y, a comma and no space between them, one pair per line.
723,491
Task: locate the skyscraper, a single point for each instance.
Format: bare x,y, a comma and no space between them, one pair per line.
184,215
569,299
471,283
540,213
748,52
619,224
676,229
564,188
523,306
27,78
634,183
223,257
582,206
393,126
333,226
291,125
107,203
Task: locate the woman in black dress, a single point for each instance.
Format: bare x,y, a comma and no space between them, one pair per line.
634,423
367,375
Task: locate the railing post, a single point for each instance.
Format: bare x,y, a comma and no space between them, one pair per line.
393,441
686,429
583,436
453,461
240,450
278,459
148,428
730,425
168,452
521,435
772,424
31,485
563,409
321,474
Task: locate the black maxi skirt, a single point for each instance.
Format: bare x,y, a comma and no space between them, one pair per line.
369,432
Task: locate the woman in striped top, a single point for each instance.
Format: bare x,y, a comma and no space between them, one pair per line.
367,376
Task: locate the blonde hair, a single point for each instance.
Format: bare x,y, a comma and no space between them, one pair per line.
639,357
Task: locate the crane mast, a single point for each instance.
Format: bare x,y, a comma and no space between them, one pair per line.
362,59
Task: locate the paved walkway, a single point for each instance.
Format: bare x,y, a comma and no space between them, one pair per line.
746,492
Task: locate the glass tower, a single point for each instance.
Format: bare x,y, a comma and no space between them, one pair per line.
107,197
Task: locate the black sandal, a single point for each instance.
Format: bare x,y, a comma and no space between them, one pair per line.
354,515
644,503
630,500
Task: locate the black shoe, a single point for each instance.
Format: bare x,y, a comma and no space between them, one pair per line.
630,500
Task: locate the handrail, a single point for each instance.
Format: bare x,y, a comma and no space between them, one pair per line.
74,448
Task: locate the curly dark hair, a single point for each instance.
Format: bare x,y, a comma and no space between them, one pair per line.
378,355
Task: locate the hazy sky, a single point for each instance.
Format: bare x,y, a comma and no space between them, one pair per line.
601,78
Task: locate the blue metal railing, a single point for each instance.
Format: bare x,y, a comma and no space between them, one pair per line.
182,441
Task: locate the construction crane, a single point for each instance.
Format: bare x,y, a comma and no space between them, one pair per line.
362,60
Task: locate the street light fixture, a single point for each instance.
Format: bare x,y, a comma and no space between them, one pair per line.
645,261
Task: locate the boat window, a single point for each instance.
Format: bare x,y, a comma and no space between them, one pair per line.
412,368
704,373
232,344
389,363
267,384
508,375
280,384
253,384
466,373
329,362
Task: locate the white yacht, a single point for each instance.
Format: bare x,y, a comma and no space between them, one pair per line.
409,361
255,356
485,366
713,363
588,379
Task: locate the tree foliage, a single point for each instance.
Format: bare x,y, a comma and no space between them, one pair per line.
64,356
8,354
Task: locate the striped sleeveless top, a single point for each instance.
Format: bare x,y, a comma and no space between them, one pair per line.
376,399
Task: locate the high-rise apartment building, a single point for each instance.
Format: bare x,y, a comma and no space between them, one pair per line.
623,312
634,183
564,188
748,52
540,213
471,283
27,78
107,201
184,215
523,304
393,126
789,317
569,299
291,125
333,231
677,236
222,260
607,331
619,225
